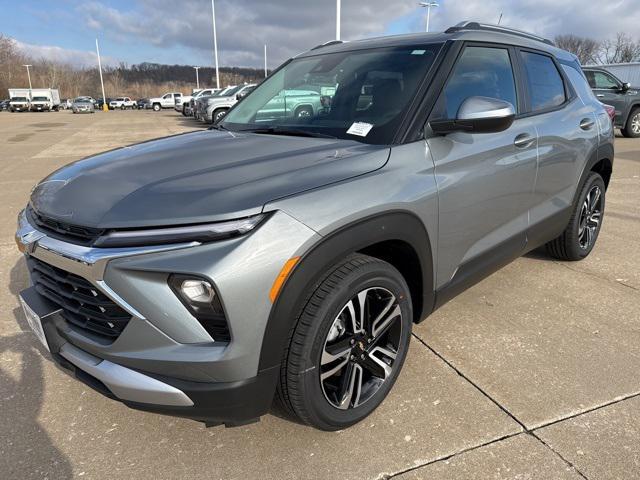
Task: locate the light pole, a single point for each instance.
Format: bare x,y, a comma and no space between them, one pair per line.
105,107
215,42
29,77
265,60
428,6
197,78
338,19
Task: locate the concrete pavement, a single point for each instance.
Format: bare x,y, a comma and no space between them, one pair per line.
533,373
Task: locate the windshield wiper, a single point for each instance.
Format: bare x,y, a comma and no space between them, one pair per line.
287,131
217,127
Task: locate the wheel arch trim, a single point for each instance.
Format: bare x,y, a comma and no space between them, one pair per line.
313,267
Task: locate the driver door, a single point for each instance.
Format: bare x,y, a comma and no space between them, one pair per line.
485,180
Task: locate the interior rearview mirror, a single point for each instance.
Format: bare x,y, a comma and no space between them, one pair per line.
478,115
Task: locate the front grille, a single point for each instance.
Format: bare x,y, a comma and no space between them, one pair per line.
64,231
83,305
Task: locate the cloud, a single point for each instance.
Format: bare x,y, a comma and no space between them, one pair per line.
244,26
77,58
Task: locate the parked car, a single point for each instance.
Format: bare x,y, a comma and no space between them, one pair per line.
200,103
82,105
218,106
65,103
19,104
185,106
99,103
202,273
626,99
122,103
168,100
143,103
293,103
4,105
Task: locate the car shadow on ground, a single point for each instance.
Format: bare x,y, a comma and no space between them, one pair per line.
26,450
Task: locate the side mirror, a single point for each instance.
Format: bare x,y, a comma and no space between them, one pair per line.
625,86
478,115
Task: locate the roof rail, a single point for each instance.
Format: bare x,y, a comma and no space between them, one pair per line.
496,28
326,44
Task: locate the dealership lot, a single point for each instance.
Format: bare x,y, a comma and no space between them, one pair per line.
533,373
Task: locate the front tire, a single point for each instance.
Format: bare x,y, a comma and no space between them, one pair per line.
348,345
156,107
217,115
580,236
632,127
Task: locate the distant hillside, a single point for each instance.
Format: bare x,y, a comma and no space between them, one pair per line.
141,80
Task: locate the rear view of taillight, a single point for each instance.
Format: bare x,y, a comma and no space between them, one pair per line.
611,111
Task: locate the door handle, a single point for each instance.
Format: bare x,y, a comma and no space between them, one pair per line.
600,95
524,140
586,123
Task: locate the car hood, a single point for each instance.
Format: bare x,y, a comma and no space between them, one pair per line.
197,177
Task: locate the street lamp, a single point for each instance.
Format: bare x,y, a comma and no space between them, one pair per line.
428,6
265,60
215,42
338,19
29,76
197,78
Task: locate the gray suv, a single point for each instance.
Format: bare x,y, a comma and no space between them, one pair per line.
206,274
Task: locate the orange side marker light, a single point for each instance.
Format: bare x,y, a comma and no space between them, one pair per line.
282,276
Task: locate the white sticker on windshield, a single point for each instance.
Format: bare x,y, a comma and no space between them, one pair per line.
359,128
418,52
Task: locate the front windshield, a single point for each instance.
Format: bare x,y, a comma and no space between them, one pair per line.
360,94
40,99
19,99
81,100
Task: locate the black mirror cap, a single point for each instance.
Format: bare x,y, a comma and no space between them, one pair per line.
478,125
625,86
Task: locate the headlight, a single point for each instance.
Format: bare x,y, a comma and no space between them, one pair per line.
194,233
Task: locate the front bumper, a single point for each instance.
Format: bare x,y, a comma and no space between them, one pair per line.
164,361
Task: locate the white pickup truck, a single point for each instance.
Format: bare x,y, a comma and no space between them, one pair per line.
168,100
185,104
122,103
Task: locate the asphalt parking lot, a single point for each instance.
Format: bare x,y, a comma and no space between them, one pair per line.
533,373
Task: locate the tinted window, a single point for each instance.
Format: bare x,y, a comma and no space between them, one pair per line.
480,71
579,83
357,94
601,80
546,87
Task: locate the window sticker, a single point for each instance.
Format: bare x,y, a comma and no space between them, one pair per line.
360,129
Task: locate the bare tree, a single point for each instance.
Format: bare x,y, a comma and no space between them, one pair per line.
586,49
621,50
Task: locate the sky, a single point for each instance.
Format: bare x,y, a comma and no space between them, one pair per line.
180,31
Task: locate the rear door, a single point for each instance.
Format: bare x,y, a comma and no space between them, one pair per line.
567,136
485,180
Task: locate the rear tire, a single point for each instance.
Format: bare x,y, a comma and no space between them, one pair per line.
349,342
632,127
580,236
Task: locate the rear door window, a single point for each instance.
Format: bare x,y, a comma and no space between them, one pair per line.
545,84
